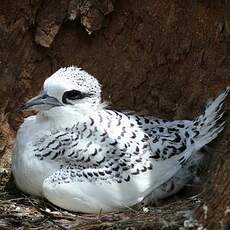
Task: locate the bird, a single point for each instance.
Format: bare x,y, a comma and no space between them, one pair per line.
84,157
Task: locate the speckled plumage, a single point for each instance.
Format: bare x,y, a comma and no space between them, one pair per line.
84,157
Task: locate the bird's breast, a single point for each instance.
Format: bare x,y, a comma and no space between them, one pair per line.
29,171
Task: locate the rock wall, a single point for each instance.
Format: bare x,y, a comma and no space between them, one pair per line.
166,58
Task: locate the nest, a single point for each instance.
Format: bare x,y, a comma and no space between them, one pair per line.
21,211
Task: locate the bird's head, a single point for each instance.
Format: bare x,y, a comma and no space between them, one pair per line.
69,86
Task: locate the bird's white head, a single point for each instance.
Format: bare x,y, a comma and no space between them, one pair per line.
69,86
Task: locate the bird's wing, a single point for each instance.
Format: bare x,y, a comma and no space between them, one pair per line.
114,137
106,188
167,138
78,190
109,139
107,157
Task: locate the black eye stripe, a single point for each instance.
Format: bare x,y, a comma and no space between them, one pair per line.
73,95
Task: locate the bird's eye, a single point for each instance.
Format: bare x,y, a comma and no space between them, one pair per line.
72,95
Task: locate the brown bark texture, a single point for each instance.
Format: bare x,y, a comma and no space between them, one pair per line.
163,57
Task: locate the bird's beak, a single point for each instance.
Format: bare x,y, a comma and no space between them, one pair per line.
42,101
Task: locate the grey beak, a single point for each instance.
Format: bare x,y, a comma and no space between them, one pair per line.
42,101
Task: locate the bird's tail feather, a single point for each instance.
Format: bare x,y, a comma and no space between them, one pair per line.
207,126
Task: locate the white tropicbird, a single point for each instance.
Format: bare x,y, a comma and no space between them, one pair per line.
84,157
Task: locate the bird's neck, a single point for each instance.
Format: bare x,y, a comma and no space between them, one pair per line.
68,115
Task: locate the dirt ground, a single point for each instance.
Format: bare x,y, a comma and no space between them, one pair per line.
165,58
